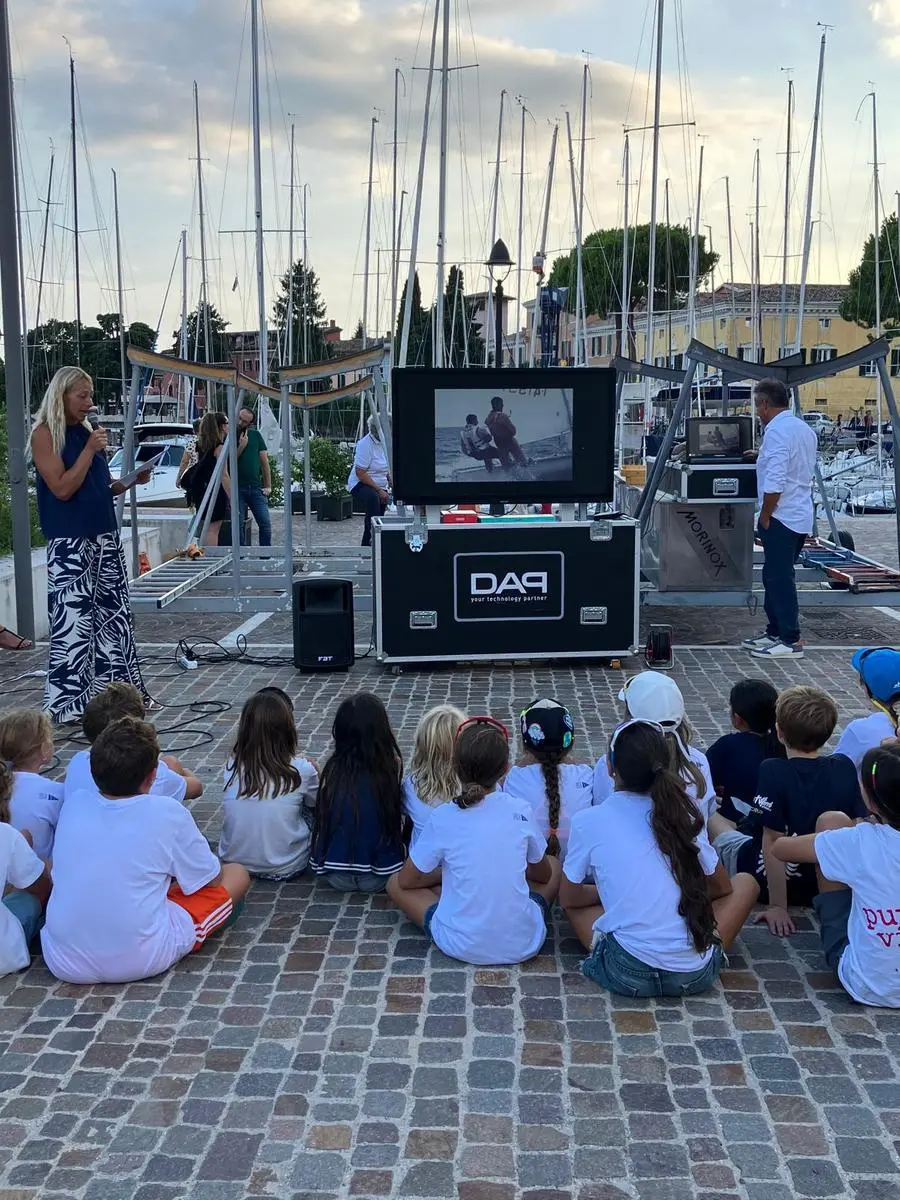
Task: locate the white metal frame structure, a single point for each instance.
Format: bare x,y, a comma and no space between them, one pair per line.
236,578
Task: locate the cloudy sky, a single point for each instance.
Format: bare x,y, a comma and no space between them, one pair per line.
329,68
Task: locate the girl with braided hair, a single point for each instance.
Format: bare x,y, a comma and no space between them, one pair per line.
486,852
642,885
858,870
553,788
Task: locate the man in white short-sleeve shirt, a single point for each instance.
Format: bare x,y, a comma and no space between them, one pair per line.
785,467
370,477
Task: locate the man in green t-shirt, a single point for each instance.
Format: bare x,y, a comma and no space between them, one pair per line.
254,477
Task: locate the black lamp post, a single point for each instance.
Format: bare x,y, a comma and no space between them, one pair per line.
499,265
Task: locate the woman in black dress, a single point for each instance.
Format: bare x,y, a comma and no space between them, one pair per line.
210,444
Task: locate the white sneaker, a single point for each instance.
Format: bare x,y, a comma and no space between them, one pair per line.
758,641
778,650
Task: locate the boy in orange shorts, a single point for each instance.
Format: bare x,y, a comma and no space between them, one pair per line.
135,884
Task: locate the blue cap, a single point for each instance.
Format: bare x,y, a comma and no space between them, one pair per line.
879,670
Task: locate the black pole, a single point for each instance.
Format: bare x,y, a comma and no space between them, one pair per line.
75,209
498,325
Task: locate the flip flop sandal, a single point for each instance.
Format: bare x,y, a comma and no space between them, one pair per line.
22,643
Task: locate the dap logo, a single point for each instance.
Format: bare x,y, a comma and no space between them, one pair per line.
509,587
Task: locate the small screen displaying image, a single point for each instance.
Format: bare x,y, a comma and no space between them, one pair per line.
502,435
718,439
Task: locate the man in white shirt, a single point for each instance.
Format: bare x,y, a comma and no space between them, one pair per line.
784,476
370,478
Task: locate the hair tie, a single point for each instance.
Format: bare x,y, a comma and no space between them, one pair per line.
554,831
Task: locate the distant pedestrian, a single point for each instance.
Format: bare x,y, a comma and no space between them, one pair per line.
254,477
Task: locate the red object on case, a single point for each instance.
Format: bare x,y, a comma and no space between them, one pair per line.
459,516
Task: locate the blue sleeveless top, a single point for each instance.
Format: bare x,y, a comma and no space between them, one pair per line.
91,510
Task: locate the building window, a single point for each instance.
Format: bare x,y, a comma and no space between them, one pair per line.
821,354
825,323
869,371
723,321
747,322
870,402
677,362
659,361
745,353
821,401
895,362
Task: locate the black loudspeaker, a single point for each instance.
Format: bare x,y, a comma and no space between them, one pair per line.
323,625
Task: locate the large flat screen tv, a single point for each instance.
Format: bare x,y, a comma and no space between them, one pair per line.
481,435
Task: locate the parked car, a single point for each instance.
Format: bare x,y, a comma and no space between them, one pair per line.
821,424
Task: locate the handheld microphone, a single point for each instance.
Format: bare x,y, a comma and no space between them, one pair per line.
93,418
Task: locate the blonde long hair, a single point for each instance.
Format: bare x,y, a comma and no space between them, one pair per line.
23,731
52,412
431,766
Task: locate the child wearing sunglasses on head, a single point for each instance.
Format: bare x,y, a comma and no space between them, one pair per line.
497,884
553,789
858,869
641,884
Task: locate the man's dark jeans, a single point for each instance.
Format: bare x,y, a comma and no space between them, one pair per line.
251,496
781,548
375,507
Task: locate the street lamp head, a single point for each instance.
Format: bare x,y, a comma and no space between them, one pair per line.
499,264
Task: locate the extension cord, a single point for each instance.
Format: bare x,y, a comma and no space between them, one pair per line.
188,664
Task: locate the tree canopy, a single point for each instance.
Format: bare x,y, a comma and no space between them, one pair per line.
602,269
462,336
308,313
53,345
859,302
219,351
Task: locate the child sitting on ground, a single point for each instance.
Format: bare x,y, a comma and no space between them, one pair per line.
641,884
734,759
858,869
119,700
497,884
357,840
135,884
268,786
879,673
652,696
552,789
792,794
431,780
24,885
26,745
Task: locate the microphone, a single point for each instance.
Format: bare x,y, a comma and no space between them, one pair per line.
93,417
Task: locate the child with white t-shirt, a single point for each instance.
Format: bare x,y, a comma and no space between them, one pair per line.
135,884
641,883
117,700
484,848
858,869
24,886
878,668
26,745
652,696
553,789
431,780
270,791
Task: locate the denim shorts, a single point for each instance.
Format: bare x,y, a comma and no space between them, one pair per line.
618,971
536,897
833,911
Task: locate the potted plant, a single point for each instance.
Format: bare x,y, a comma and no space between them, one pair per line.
298,496
331,466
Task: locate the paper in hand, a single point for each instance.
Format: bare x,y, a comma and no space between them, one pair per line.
131,478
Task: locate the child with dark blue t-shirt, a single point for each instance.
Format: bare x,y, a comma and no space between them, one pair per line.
791,795
735,759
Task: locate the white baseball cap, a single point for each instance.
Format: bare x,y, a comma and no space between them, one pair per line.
652,696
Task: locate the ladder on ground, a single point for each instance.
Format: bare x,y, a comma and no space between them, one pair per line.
162,585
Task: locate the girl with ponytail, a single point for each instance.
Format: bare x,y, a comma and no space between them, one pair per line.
858,871
642,886
553,789
24,885
477,879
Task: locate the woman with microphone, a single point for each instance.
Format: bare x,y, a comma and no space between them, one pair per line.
91,625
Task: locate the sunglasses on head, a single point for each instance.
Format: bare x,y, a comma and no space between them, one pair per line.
483,721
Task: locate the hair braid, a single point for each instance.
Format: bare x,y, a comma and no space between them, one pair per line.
7,780
549,764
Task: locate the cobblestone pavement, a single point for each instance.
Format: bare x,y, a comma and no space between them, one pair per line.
322,1048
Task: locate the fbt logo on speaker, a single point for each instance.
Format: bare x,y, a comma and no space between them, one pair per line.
509,587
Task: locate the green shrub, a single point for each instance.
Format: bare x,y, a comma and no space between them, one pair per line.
330,464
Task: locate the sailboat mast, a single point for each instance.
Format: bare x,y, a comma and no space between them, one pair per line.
438,344
757,317
257,191
695,252
204,281
417,214
810,190
120,291
305,294
489,307
787,218
289,312
75,229
731,267
521,249
186,382
581,352
669,271
575,219
626,273
875,188
40,291
365,312
654,188
395,231
542,249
